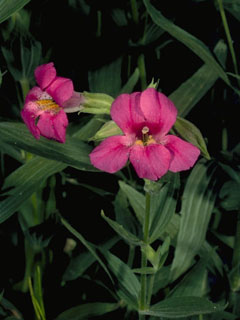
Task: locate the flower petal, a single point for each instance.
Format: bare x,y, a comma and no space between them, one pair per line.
61,90
35,94
29,115
111,155
53,126
184,153
158,109
150,162
125,111
75,103
45,74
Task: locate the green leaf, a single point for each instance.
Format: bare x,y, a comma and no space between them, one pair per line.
132,81
87,244
87,310
186,96
8,7
135,198
163,205
106,79
197,205
74,152
26,180
189,132
177,307
230,196
119,229
79,264
127,280
197,46
194,283
109,128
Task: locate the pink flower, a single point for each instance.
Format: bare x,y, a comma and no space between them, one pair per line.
45,106
145,119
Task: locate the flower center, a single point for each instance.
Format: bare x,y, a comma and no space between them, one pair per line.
48,105
146,138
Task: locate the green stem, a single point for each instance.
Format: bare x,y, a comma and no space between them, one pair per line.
150,289
229,38
99,24
200,317
224,139
142,302
130,256
142,71
135,14
29,260
25,87
235,276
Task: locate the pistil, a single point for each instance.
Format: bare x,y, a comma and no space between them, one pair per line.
145,135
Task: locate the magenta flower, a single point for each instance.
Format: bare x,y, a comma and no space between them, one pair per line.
45,106
145,119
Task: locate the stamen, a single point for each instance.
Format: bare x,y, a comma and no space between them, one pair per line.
145,131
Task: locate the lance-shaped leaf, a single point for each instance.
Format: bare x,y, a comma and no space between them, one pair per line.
188,131
163,205
8,7
74,152
197,205
119,229
108,129
197,46
179,307
26,180
127,281
87,310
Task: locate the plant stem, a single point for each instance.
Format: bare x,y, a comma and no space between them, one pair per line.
229,38
235,276
142,71
29,260
142,302
135,14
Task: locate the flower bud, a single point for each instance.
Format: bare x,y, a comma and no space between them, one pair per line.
96,103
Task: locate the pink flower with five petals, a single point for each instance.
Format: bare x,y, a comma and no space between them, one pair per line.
45,106
145,119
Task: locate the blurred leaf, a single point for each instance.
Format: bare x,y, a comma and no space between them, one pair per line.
187,95
136,200
87,310
89,129
230,196
109,128
26,180
11,151
80,263
197,46
182,307
119,229
8,7
119,16
189,132
233,6
197,205
132,81
194,282
127,280
152,33
74,152
106,79
163,205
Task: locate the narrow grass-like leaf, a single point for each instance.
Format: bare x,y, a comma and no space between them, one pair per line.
87,310
8,7
163,205
186,96
79,264
127,280
74,152
106,79
125,234
193,284
88,245
132,81
33,173
136,199
197,46
197,205
178,307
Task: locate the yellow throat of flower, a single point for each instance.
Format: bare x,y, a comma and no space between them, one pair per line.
146,138
48,105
